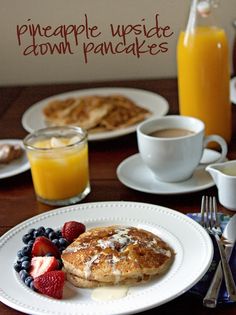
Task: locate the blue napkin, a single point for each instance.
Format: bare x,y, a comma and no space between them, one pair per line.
200,289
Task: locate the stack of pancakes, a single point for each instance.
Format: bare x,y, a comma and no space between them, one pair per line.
115,255
95,113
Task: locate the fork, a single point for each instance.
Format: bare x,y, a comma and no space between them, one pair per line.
209,220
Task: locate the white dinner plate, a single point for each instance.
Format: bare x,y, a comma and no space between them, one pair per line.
133,173
181,232
33,118
233,90
16,166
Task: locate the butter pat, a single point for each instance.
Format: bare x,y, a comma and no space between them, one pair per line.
109,293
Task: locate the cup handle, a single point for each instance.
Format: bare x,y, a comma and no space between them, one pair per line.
221,142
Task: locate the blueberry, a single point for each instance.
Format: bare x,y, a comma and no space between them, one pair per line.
63,242
23,274
17,266
19,254
48,231
58,233
25,265
26,251
28,281
52,235
31,242
31,232
24,258
26,238
36,234
41,231
41,228
55,241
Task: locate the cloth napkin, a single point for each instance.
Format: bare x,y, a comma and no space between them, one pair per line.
200,289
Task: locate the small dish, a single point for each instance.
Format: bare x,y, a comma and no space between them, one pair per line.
16,166
133,173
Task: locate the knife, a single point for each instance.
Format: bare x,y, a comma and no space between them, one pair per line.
210,299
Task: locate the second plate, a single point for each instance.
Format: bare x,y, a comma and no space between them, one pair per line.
33,118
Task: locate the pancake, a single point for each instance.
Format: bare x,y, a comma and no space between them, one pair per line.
95,113
123,114
116,255
85,112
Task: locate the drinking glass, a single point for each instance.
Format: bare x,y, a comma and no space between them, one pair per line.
58,159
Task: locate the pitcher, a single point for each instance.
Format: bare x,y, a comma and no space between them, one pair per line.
224,176
203,70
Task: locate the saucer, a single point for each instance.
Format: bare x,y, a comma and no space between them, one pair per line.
133,173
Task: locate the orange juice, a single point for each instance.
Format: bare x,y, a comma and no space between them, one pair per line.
203,78
60,172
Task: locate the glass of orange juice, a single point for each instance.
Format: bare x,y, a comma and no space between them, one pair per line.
58,159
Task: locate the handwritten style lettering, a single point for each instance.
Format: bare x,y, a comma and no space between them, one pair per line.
68,33
138,29
86,38
137,48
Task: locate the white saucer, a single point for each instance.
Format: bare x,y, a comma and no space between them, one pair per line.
133,173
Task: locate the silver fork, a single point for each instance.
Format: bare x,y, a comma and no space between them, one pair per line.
209,220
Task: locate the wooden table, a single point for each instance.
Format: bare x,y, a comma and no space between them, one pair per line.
17,198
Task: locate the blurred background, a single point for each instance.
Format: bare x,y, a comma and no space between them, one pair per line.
29,31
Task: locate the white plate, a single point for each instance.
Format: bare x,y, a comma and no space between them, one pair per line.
233,90
33,118
16,166
133,173
181,232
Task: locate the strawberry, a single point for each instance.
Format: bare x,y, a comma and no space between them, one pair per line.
42,246
39,265
72,230
51,283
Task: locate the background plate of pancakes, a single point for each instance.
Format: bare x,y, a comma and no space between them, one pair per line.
191,243
34,118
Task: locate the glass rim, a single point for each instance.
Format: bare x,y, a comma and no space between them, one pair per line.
43,132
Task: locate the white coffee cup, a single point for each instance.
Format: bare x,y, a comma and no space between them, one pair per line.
173,159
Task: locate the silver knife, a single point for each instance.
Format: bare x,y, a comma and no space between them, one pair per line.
210,299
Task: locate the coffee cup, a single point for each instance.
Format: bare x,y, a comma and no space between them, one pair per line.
172,146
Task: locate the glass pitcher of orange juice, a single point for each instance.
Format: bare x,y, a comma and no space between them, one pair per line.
203,70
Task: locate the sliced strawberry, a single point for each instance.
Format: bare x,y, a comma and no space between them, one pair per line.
40,265
43,246
72,229
51,283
